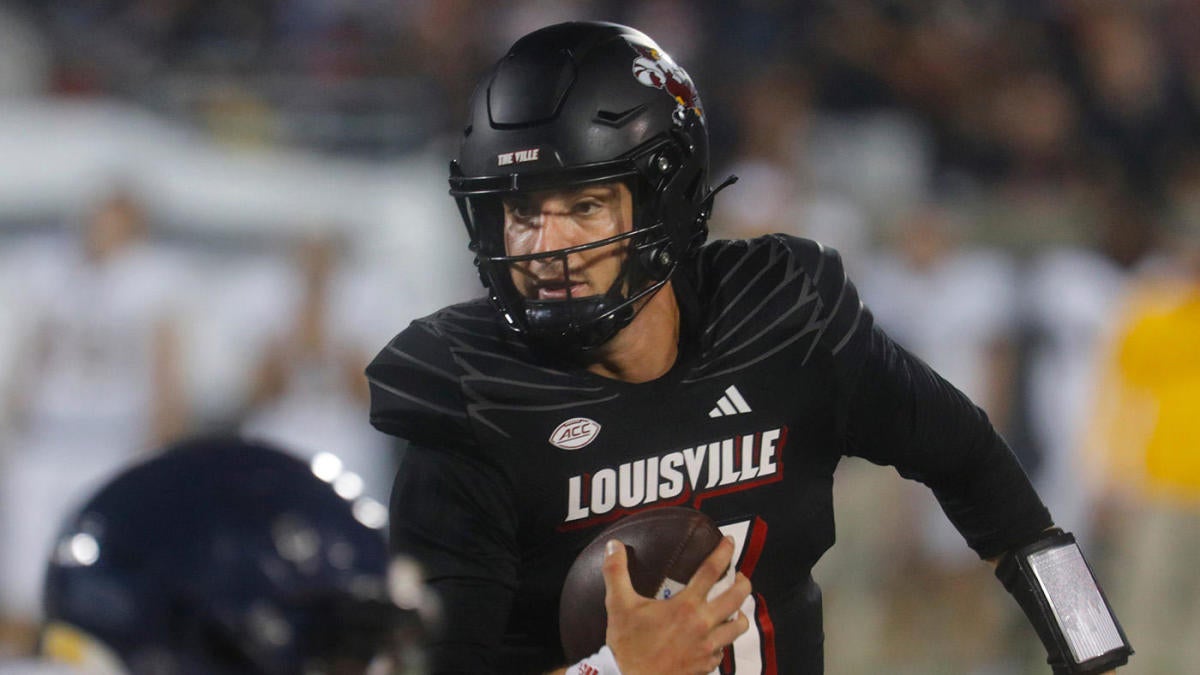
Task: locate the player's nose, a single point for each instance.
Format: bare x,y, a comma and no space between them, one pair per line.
554,233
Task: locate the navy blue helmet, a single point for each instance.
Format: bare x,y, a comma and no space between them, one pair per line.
223,556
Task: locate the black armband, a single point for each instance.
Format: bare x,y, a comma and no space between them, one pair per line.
1056,589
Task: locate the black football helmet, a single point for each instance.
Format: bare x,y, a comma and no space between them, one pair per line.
222,556
576,104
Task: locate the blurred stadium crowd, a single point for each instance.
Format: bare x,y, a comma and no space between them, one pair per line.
212,212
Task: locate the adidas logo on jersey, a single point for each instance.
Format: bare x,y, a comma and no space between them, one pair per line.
731,403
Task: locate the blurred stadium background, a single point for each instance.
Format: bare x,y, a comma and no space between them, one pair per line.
213,212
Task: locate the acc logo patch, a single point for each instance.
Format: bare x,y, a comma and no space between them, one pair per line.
575,433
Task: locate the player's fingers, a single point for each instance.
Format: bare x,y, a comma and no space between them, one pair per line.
712,569
618,587
728,601
713,661
725,633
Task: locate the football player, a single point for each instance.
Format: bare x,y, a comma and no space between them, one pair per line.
621,364
221,556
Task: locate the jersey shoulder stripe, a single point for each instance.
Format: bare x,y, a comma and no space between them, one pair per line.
414,382
456,372
762,296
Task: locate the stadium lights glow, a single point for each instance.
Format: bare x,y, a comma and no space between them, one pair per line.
326,466
85,550
349,485
370,513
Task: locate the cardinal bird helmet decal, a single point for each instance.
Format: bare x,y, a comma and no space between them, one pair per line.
656,68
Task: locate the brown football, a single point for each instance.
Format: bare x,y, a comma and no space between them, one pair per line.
665,546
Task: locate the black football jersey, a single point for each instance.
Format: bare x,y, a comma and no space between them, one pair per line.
517,462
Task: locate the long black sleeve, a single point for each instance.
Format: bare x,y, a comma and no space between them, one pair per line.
904,414
454,516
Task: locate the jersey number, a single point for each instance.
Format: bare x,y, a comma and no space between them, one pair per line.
753,652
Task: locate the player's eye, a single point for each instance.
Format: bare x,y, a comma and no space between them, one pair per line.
588,207
523,211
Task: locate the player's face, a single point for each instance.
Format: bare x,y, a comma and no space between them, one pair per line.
542,222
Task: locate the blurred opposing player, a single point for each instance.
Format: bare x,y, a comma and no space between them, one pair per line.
221,556
622,365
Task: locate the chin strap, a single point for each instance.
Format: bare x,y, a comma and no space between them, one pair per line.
1055,587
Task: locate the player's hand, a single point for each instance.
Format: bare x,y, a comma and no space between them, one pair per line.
684,634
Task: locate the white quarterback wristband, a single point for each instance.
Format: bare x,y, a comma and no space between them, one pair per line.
600,663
